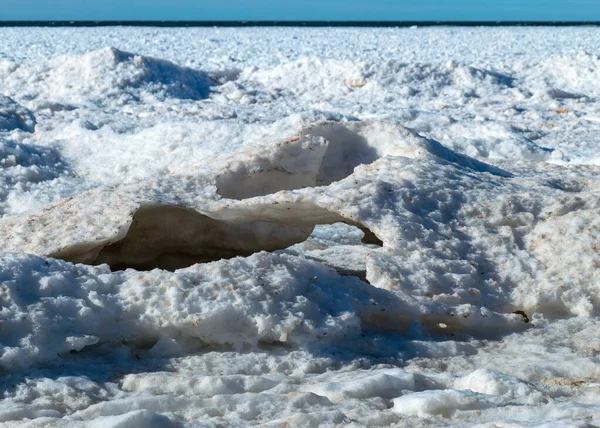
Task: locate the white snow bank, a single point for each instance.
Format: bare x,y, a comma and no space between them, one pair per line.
493,141
239,410
459,82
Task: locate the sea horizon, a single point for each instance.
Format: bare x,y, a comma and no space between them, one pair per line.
289,23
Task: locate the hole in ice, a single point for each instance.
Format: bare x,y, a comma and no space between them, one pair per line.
346,150
170,238
341,246
319,156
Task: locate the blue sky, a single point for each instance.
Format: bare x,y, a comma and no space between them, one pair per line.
300,10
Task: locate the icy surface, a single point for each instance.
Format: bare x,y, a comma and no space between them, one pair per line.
299,227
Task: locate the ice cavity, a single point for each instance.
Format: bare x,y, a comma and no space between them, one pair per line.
146,233
103,77
317,155
133,227
172,238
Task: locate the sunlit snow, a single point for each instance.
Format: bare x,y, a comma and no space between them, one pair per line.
299,227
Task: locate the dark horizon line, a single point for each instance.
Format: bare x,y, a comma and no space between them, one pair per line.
287,23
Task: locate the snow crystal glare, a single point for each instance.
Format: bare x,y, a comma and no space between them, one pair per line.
299,227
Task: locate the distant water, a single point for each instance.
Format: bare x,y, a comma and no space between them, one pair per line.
298,23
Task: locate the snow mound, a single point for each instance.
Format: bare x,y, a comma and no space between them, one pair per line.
491,382
134,228
14,116
564,77
105,77
453,79
126,419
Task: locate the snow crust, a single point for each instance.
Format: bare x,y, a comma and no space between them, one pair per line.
299,227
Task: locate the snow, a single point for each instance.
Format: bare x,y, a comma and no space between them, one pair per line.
299,227
14,116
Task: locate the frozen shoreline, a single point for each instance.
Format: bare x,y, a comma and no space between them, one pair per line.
461,290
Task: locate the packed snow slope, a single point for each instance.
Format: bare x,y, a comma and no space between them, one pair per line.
299,227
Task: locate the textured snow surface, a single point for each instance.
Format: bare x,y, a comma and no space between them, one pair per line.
299,227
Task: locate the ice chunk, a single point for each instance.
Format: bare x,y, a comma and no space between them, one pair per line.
443,403
386,383
491,382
